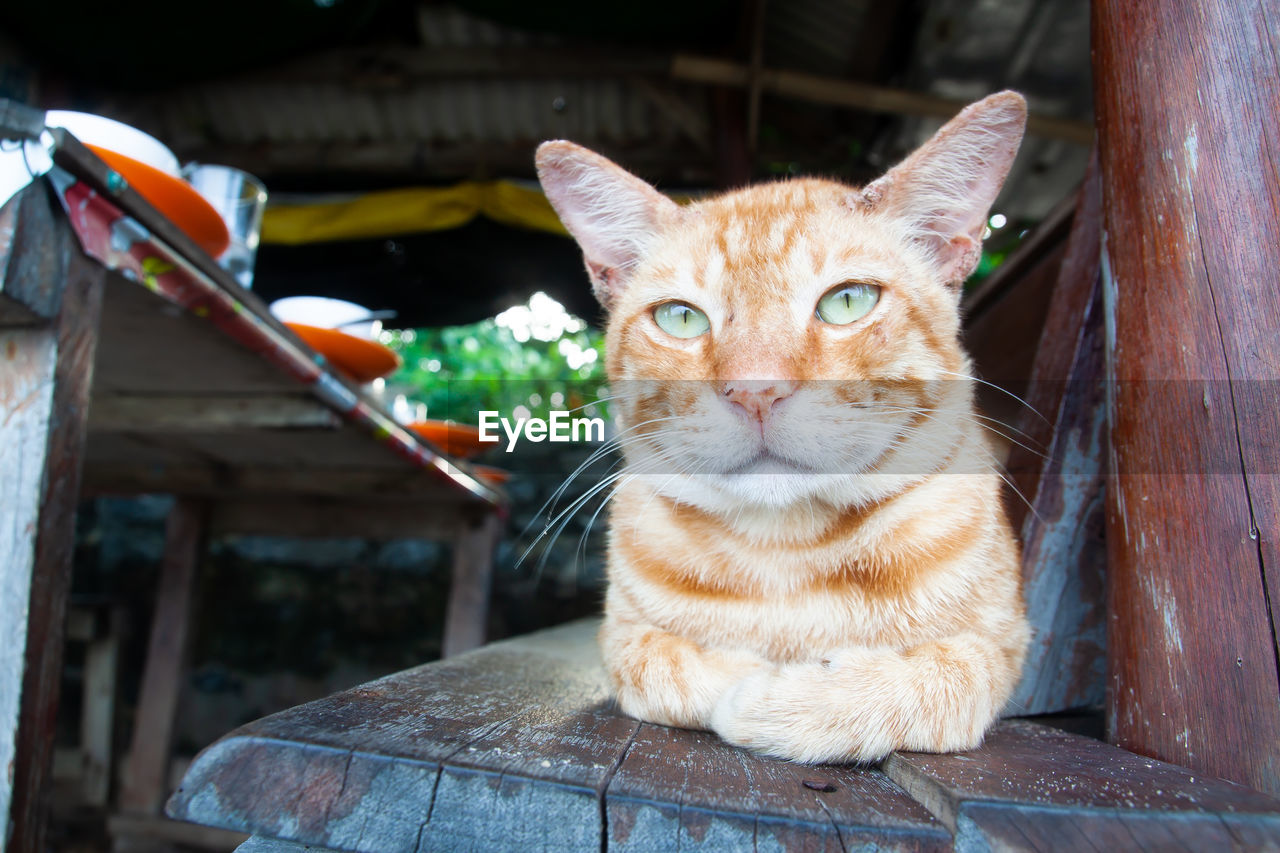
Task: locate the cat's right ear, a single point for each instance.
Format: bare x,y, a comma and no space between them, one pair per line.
612,214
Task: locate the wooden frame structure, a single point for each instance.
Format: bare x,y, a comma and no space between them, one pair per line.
132,363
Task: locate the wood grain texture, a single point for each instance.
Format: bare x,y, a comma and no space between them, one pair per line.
516,746
1188,110
1063,548
679,788
79,282
30,287
468,746
1032,787
27,357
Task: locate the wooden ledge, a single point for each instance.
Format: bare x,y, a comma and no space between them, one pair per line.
517,746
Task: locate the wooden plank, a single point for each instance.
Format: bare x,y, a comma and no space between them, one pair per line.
97,716
144,785
31,286
349,447
170,471
1193,224
678,789
459,752
862,96
208,413
389,517
151,346
1032,787
42,547
1063,548
26,402
466,620
1055,368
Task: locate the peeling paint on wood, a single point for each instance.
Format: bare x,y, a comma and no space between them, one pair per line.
26,399
47,273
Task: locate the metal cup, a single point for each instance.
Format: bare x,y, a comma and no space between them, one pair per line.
240,199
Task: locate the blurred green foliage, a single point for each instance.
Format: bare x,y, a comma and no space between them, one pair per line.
498,366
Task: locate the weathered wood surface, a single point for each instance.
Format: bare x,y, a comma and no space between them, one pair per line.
515,746
146,767
1030,787
54,373
1188,112
30,284
27,357
677,789
1058,466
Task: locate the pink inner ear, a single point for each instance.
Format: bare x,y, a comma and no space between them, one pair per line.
959,258
945,189
612,214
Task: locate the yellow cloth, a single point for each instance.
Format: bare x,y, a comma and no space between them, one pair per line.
407,211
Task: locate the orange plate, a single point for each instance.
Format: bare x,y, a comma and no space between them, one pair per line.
361,359
489,474
454,439
173,197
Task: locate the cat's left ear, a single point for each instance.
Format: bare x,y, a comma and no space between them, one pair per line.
612,214
945,189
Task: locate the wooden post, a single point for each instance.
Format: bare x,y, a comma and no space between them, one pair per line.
50,303
466,619
1063,557
147,765
1187,94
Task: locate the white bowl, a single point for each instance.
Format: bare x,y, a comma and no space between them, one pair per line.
115,136
327,313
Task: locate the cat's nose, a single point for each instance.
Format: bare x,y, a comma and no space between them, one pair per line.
758,397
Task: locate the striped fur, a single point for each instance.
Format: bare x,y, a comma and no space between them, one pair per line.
829,575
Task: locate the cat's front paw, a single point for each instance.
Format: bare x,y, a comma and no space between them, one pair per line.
804,713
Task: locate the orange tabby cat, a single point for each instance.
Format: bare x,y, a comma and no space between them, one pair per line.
807,550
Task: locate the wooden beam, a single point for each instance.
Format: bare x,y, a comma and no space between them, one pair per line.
1059,465
466,621
145,783
393,67
97,716
860,96
104,478
392,517
203,413
44,398
1188,111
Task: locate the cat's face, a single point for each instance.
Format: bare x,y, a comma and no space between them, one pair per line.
793,340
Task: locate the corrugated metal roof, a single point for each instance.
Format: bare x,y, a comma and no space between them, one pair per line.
258,111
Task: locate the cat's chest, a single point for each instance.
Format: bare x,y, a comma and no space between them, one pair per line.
825,606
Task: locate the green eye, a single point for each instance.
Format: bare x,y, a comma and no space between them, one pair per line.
847,302
680,320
